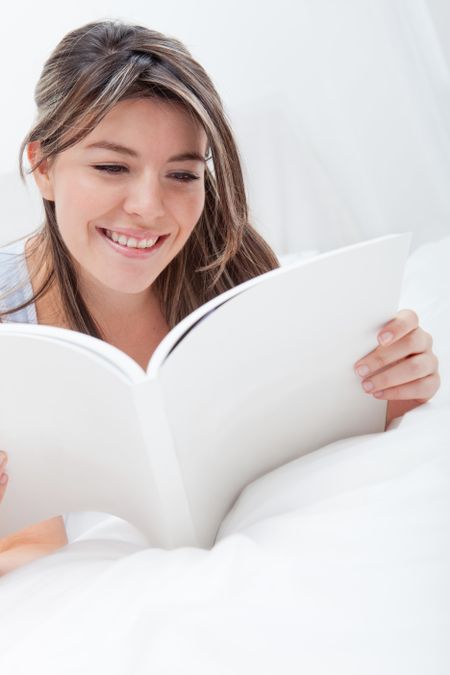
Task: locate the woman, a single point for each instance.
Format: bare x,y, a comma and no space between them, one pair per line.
140,228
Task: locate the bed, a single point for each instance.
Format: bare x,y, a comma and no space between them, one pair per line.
336,563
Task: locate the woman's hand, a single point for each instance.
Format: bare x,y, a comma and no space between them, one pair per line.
403,370
3,475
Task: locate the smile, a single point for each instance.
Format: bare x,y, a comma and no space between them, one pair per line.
131,247
130,242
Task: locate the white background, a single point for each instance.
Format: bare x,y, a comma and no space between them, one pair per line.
341,108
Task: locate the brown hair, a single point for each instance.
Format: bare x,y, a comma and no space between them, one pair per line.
90,70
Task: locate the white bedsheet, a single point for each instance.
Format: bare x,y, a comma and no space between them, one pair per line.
337,563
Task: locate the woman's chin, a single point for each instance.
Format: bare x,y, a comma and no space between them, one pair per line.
120,285
130,288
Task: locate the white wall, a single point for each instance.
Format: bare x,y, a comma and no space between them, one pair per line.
440,14
341,109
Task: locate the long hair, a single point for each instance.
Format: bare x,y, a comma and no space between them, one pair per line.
90,70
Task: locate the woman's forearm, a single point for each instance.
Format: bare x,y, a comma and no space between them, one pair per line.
399,408
15,557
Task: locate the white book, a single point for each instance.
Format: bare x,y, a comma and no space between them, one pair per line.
252,379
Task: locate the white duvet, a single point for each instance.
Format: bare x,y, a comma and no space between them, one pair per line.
337,563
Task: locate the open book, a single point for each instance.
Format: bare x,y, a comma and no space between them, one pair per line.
254,378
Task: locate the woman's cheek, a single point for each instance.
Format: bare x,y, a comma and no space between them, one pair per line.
198,205
188,214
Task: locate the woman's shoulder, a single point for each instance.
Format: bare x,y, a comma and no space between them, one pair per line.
12,250
14,247
15,285
12,264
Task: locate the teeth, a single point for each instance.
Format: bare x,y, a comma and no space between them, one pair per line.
131,242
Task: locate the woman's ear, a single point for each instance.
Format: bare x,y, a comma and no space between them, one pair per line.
42,173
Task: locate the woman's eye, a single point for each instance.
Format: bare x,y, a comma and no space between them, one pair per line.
111,168
184,177
117,169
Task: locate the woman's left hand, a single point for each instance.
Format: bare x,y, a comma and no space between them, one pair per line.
403,369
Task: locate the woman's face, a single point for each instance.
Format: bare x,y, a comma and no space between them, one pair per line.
154,187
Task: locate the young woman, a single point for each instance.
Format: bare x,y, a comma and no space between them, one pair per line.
146,217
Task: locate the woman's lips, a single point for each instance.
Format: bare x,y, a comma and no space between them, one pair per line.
128,252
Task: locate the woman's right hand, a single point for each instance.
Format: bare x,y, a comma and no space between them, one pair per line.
3,474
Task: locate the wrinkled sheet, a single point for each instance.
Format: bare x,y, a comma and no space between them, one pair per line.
335,563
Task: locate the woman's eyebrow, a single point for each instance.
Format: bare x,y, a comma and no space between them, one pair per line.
122,149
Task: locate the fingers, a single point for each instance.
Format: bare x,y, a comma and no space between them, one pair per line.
415,342
418,390
403,323
3,474
411,370
404,367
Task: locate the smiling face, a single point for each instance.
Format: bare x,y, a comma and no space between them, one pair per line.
155,188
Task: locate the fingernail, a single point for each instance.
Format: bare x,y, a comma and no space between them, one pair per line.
362,370
385,338
368,386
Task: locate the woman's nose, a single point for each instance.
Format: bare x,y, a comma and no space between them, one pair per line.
145,198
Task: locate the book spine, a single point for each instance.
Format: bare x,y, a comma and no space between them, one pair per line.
175,525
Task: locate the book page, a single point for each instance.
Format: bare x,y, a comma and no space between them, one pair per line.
170,341
268,376
73,433
113,359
